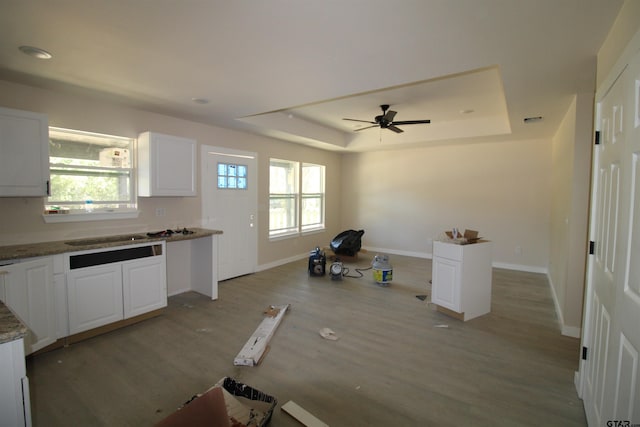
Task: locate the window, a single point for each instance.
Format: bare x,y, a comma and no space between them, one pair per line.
232,176
90,171
296,197
312,197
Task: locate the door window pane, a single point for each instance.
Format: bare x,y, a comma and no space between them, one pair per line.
228,174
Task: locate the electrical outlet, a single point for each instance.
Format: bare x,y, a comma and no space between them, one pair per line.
160,212
518,250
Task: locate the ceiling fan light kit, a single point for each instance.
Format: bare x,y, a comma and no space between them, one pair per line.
385,121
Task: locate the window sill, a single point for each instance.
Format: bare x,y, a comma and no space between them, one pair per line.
294,234
283,236
90,216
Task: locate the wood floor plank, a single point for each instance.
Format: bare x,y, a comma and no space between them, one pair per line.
393,364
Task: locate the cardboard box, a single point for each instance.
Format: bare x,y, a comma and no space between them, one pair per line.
227,404
469,236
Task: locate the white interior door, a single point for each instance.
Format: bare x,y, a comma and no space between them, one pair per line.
611,336
231,205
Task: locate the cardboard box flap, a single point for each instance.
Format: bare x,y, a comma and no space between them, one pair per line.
207,410
227,404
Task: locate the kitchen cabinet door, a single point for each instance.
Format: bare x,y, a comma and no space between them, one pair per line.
446,283
166,165
29,294
15,405
24,154
144,285
94,297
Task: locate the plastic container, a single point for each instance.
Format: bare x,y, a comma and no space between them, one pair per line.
382,269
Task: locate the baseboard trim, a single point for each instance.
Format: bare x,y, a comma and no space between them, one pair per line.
81,336
179,291
374,251
569,331
283,261
520,267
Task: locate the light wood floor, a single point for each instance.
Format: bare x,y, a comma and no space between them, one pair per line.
392,365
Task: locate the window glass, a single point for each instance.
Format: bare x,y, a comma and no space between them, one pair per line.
89,169
232,176
292,211
312,196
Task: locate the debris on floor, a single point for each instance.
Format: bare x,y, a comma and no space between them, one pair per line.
328,334
421,297
257,345
441,326
302,415
228,403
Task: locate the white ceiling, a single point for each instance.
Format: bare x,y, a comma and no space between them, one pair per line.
293,69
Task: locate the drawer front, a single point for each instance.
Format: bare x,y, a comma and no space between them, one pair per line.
447,250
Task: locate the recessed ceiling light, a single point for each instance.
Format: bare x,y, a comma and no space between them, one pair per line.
200,101
35,52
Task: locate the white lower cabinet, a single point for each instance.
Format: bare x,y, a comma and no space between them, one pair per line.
461,278
15,406
95,297
29,293
116,288
144,286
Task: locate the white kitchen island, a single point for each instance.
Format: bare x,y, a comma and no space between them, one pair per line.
461,279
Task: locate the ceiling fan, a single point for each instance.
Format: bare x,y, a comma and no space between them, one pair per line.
385,121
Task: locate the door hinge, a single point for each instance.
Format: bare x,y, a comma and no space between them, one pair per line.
597,137
584,353
592,247
48,188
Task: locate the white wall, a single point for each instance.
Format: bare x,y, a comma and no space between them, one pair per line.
571,158
624,28
21,220
405,198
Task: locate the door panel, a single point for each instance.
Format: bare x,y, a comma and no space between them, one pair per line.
232,210
612,308
625,400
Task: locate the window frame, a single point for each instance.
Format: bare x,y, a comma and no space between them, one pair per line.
295,216
75,210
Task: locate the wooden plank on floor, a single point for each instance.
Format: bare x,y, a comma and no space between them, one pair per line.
257,345
302,415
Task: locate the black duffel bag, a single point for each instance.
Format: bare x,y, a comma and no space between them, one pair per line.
347,243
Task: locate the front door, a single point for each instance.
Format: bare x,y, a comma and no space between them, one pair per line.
230,204
609,375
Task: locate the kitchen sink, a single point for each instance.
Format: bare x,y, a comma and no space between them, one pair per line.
103,240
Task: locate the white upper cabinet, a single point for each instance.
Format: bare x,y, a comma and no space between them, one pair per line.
166,165
24,153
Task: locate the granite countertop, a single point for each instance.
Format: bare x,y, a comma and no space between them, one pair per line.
11,328
30,250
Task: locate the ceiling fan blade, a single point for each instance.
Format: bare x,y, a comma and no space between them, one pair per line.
368,127
395,129
362,121
411,122
390,115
